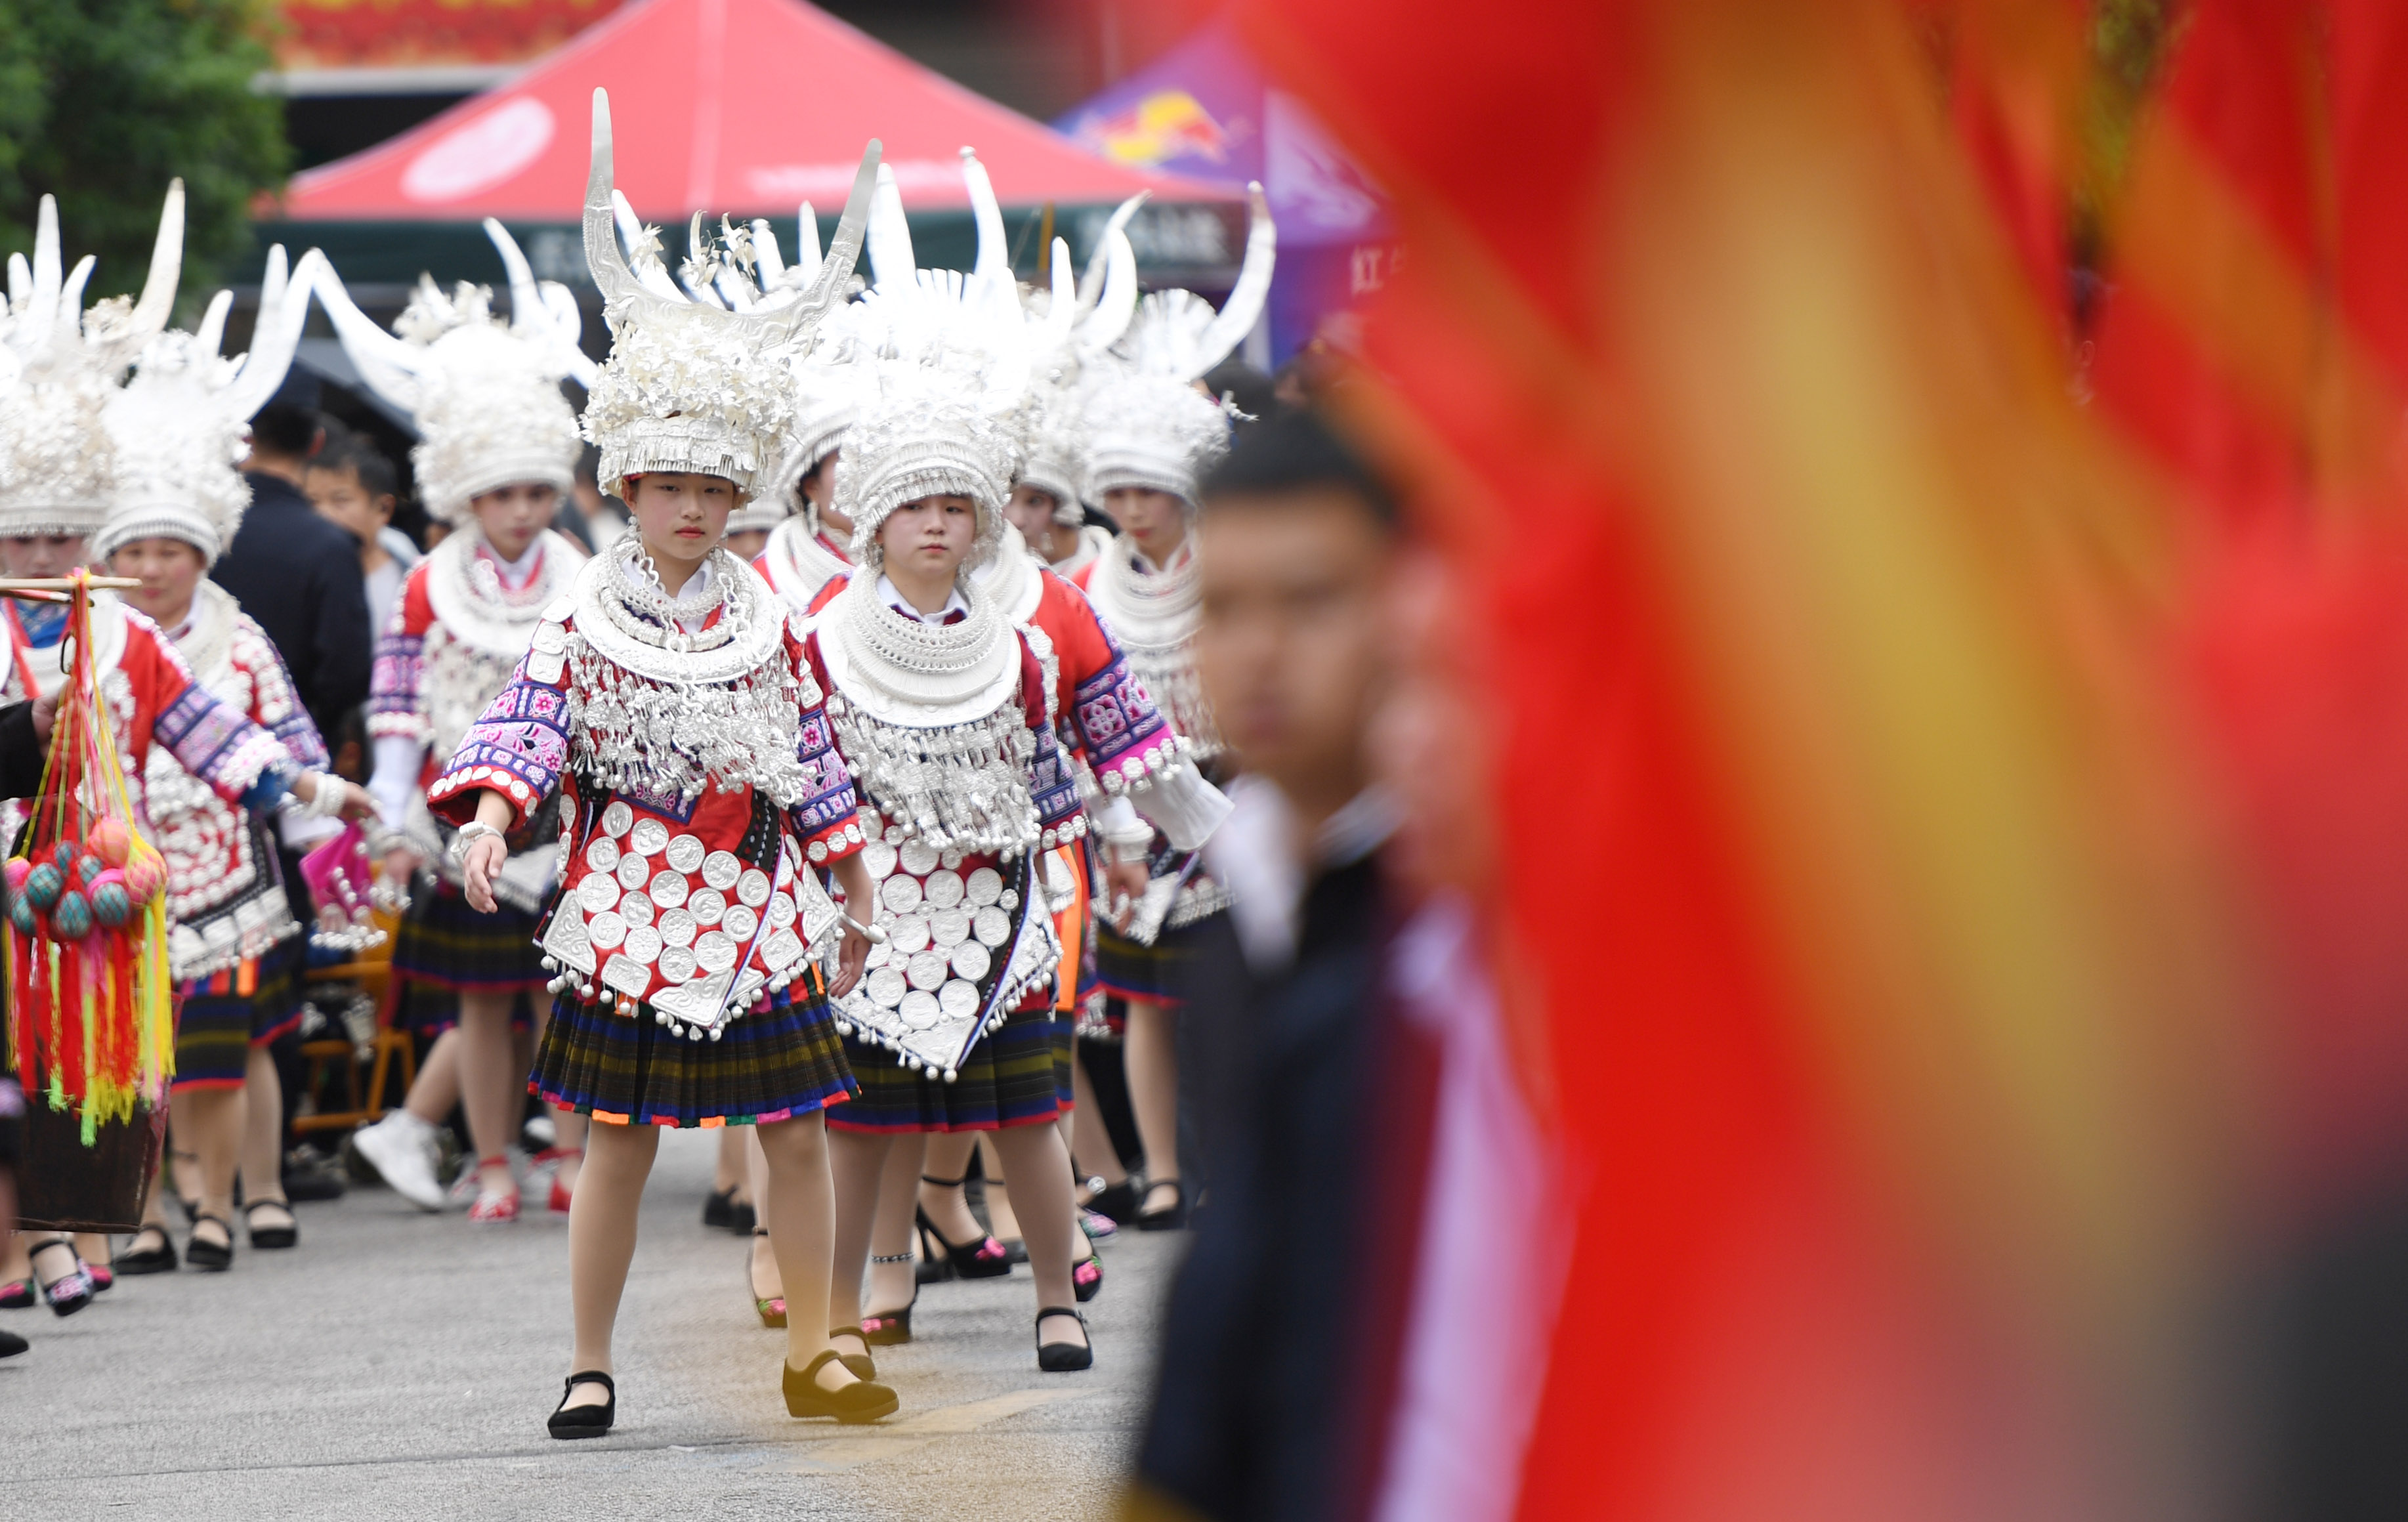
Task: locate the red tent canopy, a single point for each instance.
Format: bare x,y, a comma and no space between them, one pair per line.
735,106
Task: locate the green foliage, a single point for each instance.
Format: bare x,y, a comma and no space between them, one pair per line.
102,102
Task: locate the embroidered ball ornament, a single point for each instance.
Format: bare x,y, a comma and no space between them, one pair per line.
21,915
64,854
88,869
111,905
43,885
15,874
111,841
72,918
146,875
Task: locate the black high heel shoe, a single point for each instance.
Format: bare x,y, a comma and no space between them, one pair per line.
1064,1357
1116,1203
860,1401
1087,1276
69,1292
983,1260
567,1421
888,1328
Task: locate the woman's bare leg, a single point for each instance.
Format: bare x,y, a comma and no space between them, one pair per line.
1092,1148
263,1137
768,1283
802,1230
946,1155
209,1123
1035,1161
855,1160
435,1093
491,1086
602,1241
1152,1054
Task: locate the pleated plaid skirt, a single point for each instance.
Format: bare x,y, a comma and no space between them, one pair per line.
782,1059
1014,1076
443,943
219,1018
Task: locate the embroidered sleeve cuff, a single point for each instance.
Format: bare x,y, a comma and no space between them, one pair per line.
453,796
399,724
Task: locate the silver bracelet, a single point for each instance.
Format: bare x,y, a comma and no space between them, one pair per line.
875,935
325,796
471,832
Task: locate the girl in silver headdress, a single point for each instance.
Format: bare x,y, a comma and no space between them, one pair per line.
667,700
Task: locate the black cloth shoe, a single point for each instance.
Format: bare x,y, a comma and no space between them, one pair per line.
860,1401
214,1257
11,1344
270,1235
310,1177
569,1421
159,1259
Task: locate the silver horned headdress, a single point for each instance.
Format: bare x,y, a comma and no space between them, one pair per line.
1146,423
58,367
691,384
179,427
485,394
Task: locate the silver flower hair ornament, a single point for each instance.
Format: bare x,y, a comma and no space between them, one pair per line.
485,394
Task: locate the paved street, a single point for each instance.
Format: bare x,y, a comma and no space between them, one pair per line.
400,1365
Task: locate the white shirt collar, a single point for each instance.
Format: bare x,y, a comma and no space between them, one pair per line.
892,599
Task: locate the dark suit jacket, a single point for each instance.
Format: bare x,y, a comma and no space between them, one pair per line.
298,574
1277,1339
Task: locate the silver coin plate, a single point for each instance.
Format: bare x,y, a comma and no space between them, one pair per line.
926,969
720,869
685,853
678,964
944,889
992,927
985,886
648,838
780,911
616,818
644,944
707,906
668,889
739,922
636,907
599,892
885,988
971,960
949,927
602,854
958,999
606,929
919,1009
880,858
752,888
715,951
951,859
900,894
906,934
918,858
634,871
677,927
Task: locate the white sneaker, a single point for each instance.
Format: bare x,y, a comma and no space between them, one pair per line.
401,1148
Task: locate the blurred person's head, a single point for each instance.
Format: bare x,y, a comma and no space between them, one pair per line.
511,517
169,571
817,489
1295,547
1246,388
282,437
355,488
1155,520
1038,515
41,554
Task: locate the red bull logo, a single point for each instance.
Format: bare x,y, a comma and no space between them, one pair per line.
1165,125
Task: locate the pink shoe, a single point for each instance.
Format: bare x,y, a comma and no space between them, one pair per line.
550,1157
491,1208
